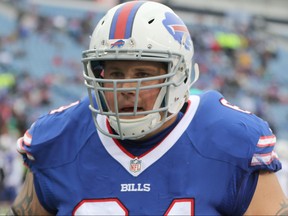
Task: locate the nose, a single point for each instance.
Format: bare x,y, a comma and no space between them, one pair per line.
128,88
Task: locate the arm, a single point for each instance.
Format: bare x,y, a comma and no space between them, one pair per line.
269,198
27,203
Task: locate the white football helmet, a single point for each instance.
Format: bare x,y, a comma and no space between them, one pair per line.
145,31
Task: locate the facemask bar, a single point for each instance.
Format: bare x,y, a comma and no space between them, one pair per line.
196,74
99,92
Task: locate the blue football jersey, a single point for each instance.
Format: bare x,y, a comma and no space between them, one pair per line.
207,165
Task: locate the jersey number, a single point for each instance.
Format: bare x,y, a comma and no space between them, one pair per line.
115,207
62,108
232,106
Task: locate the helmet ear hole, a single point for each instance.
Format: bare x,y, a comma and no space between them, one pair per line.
151,21
187,79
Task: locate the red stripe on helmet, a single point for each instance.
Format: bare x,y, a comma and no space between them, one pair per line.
121,24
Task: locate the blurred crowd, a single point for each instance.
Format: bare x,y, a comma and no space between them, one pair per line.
244,62
40,69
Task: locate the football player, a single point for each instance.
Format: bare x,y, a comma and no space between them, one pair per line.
148,148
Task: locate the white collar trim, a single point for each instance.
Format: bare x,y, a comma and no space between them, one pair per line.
135,166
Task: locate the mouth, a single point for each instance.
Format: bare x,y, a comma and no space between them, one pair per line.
130,109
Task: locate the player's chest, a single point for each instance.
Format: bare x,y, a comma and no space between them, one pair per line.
174,184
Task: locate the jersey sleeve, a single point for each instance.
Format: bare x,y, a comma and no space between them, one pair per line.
264,156
225,132
53,141
44,144
228,133
57,137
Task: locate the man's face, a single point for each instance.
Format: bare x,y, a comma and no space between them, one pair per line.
133,70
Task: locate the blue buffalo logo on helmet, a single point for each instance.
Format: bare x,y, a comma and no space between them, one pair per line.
177,29
118,44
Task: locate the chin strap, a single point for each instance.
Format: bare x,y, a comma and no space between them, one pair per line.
134,128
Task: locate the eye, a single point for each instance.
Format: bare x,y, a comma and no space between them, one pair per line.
115,75
143,74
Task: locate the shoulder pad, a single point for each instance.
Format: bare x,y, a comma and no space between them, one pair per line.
57,137
232,135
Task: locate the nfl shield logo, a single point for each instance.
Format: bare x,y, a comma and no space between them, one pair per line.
135,165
